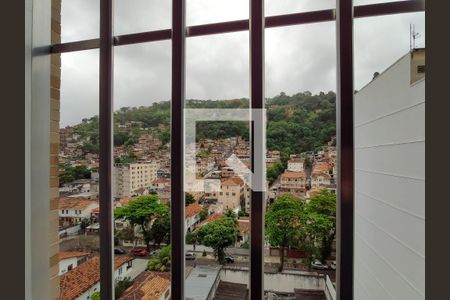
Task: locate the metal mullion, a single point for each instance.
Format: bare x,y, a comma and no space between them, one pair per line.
177,149
143,37
257,206
345,147
382,9
362,11
105,135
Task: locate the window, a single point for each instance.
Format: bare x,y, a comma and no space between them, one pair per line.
149,39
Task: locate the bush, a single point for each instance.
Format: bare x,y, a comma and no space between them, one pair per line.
121,286
162,262
245,245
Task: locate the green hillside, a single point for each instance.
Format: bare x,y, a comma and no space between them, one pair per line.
297,123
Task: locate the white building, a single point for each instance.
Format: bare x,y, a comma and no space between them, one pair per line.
70,260
191,216
295,165
72,288
389,246
320,180
293,182
128,178
73,210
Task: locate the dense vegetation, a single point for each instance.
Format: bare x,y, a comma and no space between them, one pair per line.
307,226
297,123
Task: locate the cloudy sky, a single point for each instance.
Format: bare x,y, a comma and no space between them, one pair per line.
298,58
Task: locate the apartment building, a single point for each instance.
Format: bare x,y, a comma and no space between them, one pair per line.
128,178
231,193
293,182
295,164
390,182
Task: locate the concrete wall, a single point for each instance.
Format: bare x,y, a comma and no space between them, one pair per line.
390,186
280,282
330,291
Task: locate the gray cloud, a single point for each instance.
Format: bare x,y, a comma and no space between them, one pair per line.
298,58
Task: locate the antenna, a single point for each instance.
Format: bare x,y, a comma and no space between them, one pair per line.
413,36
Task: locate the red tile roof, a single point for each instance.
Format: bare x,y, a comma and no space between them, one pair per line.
75,203
192,210
313,192
148,286
78,280
161,180
321,167
65,255
316,174
293,175
232,181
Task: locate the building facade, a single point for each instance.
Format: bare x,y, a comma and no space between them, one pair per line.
129,178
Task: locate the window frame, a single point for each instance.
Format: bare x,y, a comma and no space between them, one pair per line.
344,15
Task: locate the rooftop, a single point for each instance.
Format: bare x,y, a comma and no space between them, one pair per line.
75,203
200,282
192,210
148,286
293,175
232,181
66,255
78,280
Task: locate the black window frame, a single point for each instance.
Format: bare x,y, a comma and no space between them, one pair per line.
344,15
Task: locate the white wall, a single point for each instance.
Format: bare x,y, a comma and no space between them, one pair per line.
64,263
96,287
390,187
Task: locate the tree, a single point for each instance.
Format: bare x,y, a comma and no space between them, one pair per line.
203,215
229,213
95,296
316,227
274,171
141,211
284,223
219,234
84,223
324,204
192,238
162,262
160,230
243,213
126,234
189,199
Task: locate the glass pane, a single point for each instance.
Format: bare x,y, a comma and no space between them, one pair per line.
141,171
200,12
78,175
217,199
276,7
380,41
301,160
389,137
216,66
141,15
80,20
